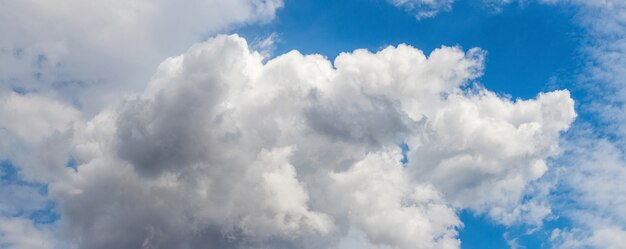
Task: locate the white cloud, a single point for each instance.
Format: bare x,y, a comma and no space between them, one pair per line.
34,130
225,149
606,237
589,175
392,210
33,117
482,150
61,61
592,175
423,8
610,238
93,52
593,169
19,233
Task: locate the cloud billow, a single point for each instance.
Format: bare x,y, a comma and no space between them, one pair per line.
223,149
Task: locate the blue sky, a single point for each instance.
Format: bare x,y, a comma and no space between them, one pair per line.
147,125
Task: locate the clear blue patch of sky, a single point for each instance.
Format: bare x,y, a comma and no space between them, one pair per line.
45,215
7,171
72,163
480,232
405,150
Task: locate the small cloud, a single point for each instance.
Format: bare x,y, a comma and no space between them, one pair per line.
423,9
266,45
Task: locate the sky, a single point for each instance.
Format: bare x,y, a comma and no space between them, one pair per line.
313,124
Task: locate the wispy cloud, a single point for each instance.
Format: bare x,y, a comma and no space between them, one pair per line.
423,8
591,171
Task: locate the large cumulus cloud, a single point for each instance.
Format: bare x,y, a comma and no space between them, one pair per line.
225,150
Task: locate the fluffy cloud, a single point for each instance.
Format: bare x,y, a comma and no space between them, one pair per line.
33,117
64,60
481,151
19,233
81,50
388,200
225,149
587,178
34,130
